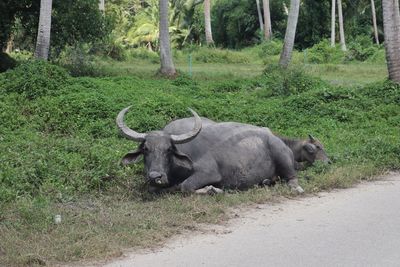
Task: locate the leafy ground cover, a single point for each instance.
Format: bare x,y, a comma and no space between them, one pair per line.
60,148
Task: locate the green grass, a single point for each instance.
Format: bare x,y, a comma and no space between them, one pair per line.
61,149
348,74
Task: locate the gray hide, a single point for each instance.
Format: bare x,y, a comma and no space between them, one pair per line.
225,155
242,154
304,150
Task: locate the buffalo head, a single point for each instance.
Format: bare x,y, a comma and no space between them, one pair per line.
313,150
162,159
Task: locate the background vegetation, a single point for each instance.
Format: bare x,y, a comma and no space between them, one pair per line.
60,148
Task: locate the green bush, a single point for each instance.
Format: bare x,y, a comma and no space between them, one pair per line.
288,81
270,48
34,79
78,61
6,62
323,52
362,48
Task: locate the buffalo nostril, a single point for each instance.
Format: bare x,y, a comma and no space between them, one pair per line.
155,175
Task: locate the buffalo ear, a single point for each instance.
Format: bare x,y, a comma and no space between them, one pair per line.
182,161
310,148
131,157
312,139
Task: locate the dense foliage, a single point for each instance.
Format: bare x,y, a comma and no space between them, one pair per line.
134,23
72,23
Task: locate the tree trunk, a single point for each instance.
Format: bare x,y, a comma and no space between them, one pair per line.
102,5
167,65
333,22
10,44
260,18
374,22
43,37
267,20
341,29
391,28
290,33
207,22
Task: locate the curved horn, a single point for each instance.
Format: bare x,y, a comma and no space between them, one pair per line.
186,137
127,132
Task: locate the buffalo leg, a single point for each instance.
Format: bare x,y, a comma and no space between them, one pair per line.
209,190
286,165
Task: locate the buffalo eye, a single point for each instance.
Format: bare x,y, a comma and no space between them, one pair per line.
145,149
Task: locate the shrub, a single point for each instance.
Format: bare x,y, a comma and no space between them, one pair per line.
271,48
288,81
361,49
35,79
78,61
323,52
6,62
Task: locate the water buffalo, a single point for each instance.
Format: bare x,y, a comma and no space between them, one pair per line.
224,155
306,150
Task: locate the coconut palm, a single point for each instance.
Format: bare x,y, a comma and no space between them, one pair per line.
333,22
167,65
267,20
288,44
374,21
260,18
391,28
341,29
145,30
207,22
43,36
102,5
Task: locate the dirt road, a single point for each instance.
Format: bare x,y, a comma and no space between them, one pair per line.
352,227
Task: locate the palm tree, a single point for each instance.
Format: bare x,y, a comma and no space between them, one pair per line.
102,5
333,22
391,28
374,22
341,29
290,33
43,36
260,18
207,22
267,20
167,65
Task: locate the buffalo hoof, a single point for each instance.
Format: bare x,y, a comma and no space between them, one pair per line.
298,189
209,190
268,182
294,185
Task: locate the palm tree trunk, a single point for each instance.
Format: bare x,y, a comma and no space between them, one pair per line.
374,22
260,18
102,5
341,29
43,37
167,65
391,28
290,33
207,22
10,44
333,22
267,20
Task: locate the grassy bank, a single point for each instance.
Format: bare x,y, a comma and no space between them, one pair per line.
61,149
